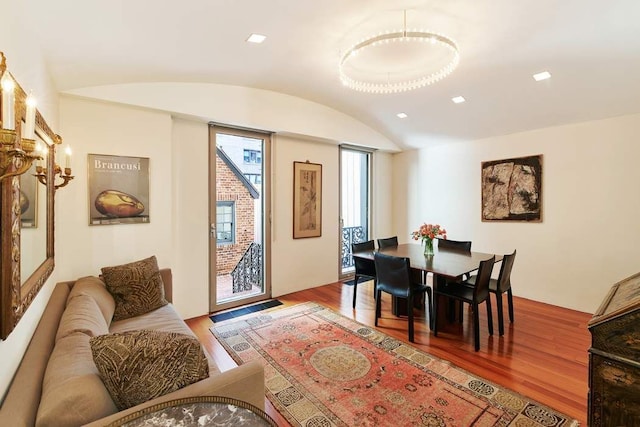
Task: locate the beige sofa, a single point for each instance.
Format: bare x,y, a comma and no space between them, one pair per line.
72,387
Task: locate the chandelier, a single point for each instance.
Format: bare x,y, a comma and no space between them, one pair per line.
398,61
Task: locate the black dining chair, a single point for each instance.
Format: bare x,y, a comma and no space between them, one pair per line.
364,267
472,295
455,245
461,245
388,242
499,286
394,277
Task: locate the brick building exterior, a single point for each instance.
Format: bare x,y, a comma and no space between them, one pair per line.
231,185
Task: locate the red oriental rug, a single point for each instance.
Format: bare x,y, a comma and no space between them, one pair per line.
323,369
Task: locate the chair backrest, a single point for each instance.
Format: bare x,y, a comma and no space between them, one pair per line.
460,245
481,289
364,266
504,279
394,274
388,242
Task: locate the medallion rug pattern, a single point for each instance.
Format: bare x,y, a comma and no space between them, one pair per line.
324,369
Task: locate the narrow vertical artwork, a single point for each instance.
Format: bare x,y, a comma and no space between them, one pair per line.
307,200
512,189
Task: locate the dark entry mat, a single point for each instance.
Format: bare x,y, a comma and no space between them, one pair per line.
245,310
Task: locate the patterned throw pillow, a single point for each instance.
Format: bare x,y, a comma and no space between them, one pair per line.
137,287
137,366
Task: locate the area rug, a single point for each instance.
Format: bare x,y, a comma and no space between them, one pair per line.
324,369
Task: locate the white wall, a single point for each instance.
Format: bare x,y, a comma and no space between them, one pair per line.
588,238
178,233
101,128
303,263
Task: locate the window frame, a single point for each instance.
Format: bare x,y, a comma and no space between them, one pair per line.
232,205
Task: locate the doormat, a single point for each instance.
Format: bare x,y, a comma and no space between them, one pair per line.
245,310
360,280
324,369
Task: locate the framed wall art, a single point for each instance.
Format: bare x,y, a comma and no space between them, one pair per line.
512,189
118,189
307,200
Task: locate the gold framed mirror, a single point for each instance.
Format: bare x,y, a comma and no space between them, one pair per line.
18,289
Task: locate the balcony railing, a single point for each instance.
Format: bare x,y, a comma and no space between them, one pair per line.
351,235
248,272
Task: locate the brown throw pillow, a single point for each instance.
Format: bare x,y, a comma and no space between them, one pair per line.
141,365
137,287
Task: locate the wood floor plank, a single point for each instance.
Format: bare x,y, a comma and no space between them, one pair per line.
542,355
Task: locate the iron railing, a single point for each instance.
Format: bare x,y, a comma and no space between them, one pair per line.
248,272
351,235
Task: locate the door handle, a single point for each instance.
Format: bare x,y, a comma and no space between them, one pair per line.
212,230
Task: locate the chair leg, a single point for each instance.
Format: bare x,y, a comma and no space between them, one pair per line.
410,314
489,314
510,300
378,298
476,327
500,313
435,314
430,299
355,290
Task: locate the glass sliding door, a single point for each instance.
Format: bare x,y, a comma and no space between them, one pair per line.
355,202
238,203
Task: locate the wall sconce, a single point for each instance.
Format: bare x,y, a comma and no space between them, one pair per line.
58,172
20,156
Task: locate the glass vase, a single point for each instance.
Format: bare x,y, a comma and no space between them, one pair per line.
428,247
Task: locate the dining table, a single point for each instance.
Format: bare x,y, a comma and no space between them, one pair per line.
445,264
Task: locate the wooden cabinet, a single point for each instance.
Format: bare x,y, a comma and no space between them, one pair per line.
614,357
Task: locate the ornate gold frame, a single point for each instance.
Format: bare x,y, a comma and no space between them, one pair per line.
16,296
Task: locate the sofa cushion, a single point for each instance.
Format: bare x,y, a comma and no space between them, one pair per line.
82,315
137,366
95,288
72,392
136,287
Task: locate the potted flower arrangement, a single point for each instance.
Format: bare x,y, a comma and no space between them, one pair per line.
428,232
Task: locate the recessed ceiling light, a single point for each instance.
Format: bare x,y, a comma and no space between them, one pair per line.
542,76
402,115
458,99
256,38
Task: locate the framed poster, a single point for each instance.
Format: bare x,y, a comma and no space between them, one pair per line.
512,189
29,198
118,189
307,200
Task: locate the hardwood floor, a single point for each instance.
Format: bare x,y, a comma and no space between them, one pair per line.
542,355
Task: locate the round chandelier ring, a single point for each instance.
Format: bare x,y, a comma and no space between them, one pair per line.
415,36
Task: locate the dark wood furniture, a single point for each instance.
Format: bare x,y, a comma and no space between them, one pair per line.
444,264
394,278
614,357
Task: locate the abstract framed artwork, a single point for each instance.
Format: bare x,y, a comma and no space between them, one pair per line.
512,189
307,200
118,189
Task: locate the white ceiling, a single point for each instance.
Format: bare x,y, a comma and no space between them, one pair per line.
591,47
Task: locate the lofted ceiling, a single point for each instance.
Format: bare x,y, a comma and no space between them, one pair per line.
591,48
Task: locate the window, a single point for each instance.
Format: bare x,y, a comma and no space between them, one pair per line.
254,178
252,156
225,225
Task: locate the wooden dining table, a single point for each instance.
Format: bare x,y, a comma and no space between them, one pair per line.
445,264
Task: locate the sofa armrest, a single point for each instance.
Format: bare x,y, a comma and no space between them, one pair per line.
245,382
